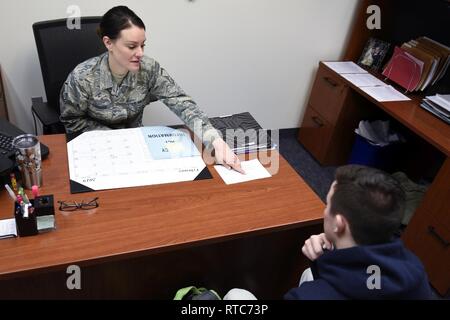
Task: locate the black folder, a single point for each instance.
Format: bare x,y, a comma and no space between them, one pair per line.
242,132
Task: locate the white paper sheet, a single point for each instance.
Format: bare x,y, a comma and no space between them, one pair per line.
364,80
253,170
384,94
124,158
8,228
345,67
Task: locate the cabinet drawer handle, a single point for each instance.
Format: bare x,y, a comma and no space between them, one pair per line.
317,121
330,81
432,230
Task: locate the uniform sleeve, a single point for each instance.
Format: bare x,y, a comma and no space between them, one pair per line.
165,89
74,102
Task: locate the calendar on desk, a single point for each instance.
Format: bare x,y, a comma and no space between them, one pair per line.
100,160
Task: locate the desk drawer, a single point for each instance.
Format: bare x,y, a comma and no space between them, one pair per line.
315,134
327,95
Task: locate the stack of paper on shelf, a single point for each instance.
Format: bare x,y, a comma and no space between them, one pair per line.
418,64
439,105
243,133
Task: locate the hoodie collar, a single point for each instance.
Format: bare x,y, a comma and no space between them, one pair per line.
347,270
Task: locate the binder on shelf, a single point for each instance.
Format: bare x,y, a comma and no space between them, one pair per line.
243,133
438,56
429,64
404,69
442,51
430,57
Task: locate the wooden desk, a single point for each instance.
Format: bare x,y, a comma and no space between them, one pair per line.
147,242
335,108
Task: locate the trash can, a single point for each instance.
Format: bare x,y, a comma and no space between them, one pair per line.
366,153
383,154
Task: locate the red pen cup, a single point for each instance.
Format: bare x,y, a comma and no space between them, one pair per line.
35,191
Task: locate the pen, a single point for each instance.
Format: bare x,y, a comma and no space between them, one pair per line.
11,193
25,198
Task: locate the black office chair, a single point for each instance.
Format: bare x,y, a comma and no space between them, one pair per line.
60,50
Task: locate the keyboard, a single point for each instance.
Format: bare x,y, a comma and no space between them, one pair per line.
6,155
6,147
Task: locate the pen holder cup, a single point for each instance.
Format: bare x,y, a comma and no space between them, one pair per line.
26,226
43,206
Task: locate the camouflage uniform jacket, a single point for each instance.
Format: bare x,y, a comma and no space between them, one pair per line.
91,100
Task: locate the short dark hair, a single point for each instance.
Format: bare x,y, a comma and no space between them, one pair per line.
372,201
116,20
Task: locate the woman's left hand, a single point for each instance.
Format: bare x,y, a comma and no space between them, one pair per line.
225,156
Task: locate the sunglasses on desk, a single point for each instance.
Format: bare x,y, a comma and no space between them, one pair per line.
73,205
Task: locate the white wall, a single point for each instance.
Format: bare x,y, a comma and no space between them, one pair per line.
229,55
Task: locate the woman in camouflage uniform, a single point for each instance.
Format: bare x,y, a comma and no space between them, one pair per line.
111,91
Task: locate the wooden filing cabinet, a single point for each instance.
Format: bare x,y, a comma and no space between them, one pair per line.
428,233
332,109
3,109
